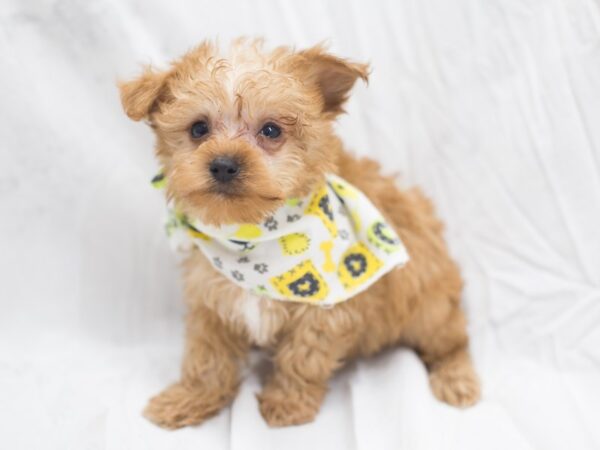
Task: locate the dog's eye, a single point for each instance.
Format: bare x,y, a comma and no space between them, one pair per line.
270,130
199,129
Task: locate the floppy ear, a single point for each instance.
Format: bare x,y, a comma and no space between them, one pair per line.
139,95
334,76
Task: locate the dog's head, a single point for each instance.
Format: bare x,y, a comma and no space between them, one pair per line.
238,133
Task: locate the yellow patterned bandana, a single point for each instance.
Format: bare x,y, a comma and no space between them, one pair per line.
321,249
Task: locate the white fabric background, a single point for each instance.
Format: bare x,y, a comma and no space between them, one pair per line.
490,106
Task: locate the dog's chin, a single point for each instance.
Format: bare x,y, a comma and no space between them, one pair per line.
225,206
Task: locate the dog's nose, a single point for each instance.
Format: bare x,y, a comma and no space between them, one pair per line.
224,169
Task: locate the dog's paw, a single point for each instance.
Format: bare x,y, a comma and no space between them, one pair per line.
280,408
455,384
179,406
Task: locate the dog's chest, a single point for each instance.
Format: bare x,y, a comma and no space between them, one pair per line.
261,318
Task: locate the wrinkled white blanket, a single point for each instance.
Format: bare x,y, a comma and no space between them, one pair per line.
491,106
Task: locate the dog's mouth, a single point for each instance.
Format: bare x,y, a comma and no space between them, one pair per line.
226,190
271,199
237,191
221,208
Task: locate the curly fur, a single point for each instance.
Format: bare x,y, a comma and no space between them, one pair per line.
303,92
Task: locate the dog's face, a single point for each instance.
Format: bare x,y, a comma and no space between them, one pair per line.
239,133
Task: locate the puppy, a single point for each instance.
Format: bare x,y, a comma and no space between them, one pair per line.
244,136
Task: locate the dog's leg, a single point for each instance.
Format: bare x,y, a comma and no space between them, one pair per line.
438,333
209,376
304,361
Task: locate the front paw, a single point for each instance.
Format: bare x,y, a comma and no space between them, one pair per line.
455,384
282,408
179,406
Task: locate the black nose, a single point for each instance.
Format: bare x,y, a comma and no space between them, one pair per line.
224,169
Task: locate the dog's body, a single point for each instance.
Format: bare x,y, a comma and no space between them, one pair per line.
417,305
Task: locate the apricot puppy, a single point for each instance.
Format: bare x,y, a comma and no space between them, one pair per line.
279,221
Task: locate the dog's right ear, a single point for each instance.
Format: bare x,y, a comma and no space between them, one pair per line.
139,95
333,76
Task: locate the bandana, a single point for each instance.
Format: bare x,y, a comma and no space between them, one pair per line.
321,249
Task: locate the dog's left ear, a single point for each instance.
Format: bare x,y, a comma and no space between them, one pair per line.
140,95
334,76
